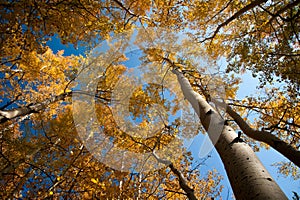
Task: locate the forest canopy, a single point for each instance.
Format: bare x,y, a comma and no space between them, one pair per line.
49,98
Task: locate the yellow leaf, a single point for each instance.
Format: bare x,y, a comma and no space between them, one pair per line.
94,180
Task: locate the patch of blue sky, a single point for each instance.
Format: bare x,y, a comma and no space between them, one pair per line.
69,49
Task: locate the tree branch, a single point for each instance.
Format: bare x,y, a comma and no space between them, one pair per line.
182,181
6,115
226,6
129,11
277,14
235,16
259,110
265,136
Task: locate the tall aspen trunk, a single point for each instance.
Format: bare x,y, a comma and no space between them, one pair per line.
248,177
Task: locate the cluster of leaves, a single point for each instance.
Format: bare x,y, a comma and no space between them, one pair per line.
49,160
257,35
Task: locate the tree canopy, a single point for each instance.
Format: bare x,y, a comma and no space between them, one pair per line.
45,154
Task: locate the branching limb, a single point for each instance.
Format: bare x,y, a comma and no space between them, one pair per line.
189,192
129,11
6,115
235,16
265,136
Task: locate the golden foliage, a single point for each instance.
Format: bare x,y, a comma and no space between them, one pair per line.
43,156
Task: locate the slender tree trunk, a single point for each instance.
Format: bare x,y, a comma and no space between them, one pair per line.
139,192
248,177
6,115
121,181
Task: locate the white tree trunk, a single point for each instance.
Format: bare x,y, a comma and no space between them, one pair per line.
248,177
6,115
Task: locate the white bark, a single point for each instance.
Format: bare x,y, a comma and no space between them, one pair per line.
6,115
139,187
248,177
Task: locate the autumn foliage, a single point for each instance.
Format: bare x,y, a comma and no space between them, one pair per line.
42,154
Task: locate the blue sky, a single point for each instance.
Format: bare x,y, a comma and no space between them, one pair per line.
267,157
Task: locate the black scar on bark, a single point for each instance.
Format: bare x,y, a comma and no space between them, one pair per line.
209,112
237,139
226,122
